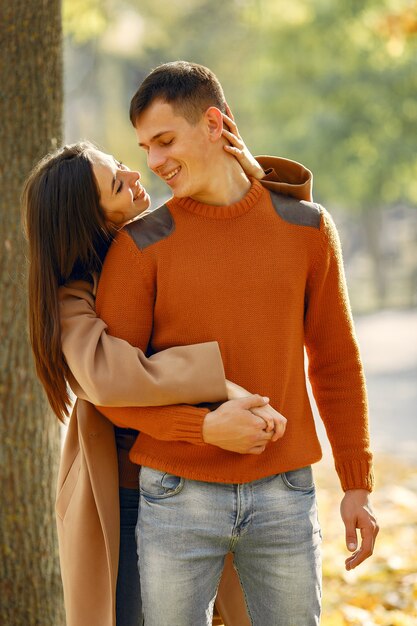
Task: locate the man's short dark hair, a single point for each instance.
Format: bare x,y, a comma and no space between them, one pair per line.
188,87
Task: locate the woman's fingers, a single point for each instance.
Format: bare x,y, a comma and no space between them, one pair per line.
229,112
275,422
265,416
241,152
280,426
235,151
231,125
233,139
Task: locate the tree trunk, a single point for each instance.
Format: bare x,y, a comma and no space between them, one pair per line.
30,126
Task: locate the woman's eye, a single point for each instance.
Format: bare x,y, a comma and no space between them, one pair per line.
119,187
167,143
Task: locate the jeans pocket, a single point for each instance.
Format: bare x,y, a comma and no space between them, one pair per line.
157,485
299,479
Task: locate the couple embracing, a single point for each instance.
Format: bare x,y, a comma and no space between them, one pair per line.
188,363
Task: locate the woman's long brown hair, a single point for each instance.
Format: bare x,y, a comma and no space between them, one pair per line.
68,239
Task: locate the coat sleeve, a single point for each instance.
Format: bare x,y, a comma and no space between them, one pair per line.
335,367
108,371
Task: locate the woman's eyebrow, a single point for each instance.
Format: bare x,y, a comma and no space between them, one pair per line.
113,182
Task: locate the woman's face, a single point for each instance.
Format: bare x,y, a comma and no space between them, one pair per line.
122,197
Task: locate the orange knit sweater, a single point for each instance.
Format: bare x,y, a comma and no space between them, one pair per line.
264,287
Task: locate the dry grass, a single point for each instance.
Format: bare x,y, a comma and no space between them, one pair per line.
383,590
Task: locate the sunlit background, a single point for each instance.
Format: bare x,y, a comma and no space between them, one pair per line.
334,85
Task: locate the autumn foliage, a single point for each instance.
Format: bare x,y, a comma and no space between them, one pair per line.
383,590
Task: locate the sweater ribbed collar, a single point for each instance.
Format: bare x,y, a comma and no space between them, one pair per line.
221,212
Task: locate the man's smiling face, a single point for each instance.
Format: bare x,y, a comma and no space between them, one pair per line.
178,152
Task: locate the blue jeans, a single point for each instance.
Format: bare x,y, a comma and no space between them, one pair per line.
128,600
186,527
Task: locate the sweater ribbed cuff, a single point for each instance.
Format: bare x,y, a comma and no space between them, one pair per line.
188,426
355,474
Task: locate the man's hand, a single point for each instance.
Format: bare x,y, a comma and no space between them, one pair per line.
357,513
274,421
233,427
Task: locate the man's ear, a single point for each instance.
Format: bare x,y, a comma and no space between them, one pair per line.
214,123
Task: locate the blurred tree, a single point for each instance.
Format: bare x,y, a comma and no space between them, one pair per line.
94,18
30,108
402,22
327,83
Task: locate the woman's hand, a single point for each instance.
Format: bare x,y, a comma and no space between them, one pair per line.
238,148
274,421
235,391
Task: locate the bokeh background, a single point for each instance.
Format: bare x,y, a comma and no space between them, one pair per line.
329,83
333,85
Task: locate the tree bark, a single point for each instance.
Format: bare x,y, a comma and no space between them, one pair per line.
30,125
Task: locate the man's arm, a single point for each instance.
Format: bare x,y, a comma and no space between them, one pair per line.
232,426
338,383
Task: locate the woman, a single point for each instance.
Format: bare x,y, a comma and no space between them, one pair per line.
69,231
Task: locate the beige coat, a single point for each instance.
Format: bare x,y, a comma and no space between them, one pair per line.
109,372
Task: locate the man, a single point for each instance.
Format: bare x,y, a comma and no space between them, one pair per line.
262,274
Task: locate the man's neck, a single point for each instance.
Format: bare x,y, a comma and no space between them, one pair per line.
228,183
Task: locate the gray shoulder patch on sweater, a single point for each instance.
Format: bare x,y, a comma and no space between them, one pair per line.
151,228
299,212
